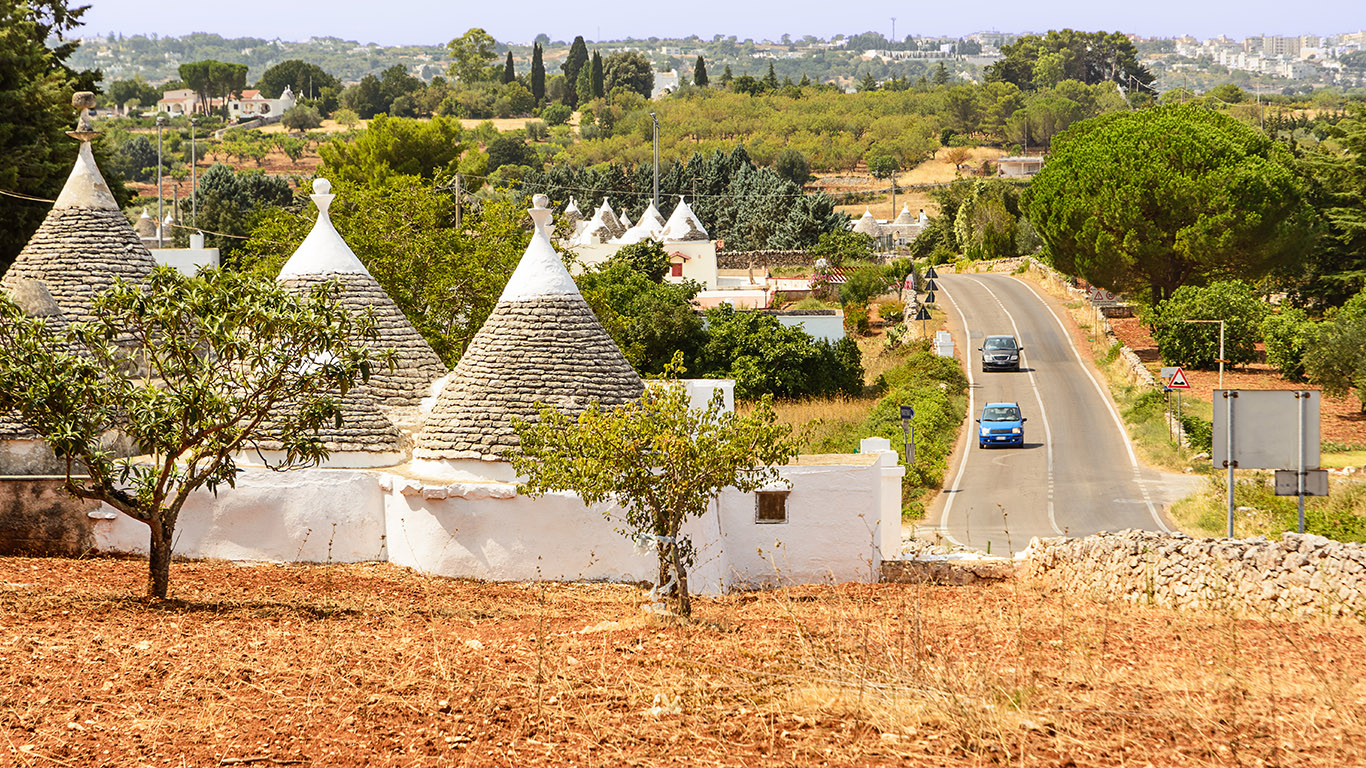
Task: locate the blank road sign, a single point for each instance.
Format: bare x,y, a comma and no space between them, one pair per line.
1266,428
1315,482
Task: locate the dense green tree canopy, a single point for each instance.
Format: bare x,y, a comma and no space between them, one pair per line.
305,79
214,79
231,202
391,145
1336,170
571,66
1152,200
1036,61
35,109
471,53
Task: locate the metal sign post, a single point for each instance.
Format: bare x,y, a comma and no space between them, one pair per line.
908,432
1300,398
1278,429
1229,461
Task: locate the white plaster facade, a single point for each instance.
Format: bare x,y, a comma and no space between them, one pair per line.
843,519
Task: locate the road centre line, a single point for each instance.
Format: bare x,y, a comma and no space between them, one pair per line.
1038,397
1109,403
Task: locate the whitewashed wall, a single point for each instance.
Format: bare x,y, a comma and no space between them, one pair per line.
843,519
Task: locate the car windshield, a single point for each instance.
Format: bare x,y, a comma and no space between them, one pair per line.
1001,413
1000,342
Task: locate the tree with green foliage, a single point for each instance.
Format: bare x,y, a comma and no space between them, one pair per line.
883,166
573,63
35,101
793,166
446,279
986,224
651,320
510,150
941,75
629,70
226,350
1335,268
661,460
841,246
305,79
395,83
726,77
864,285
365,98
1336,360
598,76
471,53
556,114
770,80
897,272
1196,345
1289,335
766,358
301,118
124,92
231,202
390,146
1152,200
1035,61
537,73
212,79
699,72
509,70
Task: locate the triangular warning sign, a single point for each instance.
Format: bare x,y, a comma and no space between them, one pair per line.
931,273
1178,380
923,314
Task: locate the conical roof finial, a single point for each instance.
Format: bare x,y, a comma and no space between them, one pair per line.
83,101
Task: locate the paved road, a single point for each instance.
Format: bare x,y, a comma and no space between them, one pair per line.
1077,473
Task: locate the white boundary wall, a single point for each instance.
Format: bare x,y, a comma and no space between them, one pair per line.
843,519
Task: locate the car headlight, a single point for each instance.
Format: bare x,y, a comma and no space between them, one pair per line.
1014,357
1016,431
985,431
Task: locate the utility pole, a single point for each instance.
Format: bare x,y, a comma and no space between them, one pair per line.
459,199
161,225
893,30
194,200
655,119
1221,345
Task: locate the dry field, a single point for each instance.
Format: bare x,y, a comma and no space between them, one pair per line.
374,665
936,170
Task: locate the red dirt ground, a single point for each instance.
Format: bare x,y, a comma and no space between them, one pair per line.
1342,420
373,665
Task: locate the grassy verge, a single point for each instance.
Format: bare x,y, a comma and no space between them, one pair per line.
1340,515
909,375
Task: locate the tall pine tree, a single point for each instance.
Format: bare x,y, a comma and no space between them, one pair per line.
575,61
699,73
771,79
509,73
537,73
596,76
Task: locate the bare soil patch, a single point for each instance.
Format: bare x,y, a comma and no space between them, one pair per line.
912,185
374,665
1341,419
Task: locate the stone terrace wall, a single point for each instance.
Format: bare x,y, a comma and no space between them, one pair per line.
742,259
1300,574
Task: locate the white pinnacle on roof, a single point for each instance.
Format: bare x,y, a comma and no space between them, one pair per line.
541,272
625,220
904,218
683,224
599,229
650,227
323,250
572,210
85,187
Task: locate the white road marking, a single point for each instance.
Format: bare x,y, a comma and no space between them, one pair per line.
1038,398
956,488
1109,403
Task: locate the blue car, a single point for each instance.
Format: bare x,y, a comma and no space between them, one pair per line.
1001,424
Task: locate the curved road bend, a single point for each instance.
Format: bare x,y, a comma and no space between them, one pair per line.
1077,473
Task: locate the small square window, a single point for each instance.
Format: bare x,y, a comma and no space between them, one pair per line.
770,506
676,269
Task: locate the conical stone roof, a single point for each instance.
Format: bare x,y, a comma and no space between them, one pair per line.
905,219
364,429
83,245
650,227
542,344
683,224
324,256
867,225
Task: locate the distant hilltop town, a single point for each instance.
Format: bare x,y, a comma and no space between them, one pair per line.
1269,61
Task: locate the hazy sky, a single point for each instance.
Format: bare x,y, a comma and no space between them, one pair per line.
390,22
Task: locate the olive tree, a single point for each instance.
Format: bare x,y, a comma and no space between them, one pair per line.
224,363
661,460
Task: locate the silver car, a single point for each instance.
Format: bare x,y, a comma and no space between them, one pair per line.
1000,353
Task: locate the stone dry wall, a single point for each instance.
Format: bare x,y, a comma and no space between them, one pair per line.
1299,574
743,259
